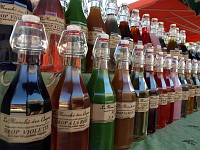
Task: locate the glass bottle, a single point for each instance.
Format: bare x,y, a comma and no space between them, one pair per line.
75,15
146,29
182,44
95,26
125,98
197,85
162,89
185,90
170,88
70,96
160,34
191,87
135,23
154,25
7,57
103,104
27,101
142,94
153,90
52,16
177,87
112,30
172,44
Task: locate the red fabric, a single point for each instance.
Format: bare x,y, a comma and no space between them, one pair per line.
171,11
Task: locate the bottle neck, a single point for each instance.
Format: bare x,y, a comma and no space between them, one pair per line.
167,72
100,63
181,71
139,68
174,70
30,57
159,69
123,18
74,62
123,65
149,68
95,3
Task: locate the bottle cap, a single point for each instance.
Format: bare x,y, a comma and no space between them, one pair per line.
31,18
146,21
111,7
188,65
181,63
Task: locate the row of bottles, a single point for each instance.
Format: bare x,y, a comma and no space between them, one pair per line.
159,90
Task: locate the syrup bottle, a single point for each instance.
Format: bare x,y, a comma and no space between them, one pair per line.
162,89
27,101
125,98
8,58
172,44
160,34
52,16
170,88
135,23
95,26
142,94
153,90
185,87
182,44
191,87
70,95
146,29
103,104
112,30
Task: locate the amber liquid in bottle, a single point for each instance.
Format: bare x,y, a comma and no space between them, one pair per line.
135,32
125,97
95,25
171,45
70,95
52,16
125,30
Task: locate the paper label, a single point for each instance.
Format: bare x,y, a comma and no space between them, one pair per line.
178,96
114,40
53,24
103,112
19,129
185,95
171,97
125,110
153,102
93,34
197,91
10,13
192,92
142,105
163,99
71,120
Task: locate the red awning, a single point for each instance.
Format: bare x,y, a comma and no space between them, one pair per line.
171,11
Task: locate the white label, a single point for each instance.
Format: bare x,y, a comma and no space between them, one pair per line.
185,95
93,34
114,40
171,97
53,25
197,91
103,112
163,99
192,92
19,129
153,102
142,105
71,120
178,95
10,13
125,110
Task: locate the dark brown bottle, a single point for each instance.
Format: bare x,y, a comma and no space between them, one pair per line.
172,44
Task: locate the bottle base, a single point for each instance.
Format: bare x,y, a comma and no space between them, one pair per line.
138,138
149,132
160,126
122,147
190,112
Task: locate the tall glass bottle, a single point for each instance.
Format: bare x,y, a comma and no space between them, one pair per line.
125,98
185,89
162,89
191,87
95,26
146,29
8,18
170,88
160,34
177,87
142,94
172,44
75,15
153,90
103,105
112,29
135,24
52,16
197,85
70,96
27,101
181,44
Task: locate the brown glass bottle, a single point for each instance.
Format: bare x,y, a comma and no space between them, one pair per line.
172,44
95,26
191,86
125,98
